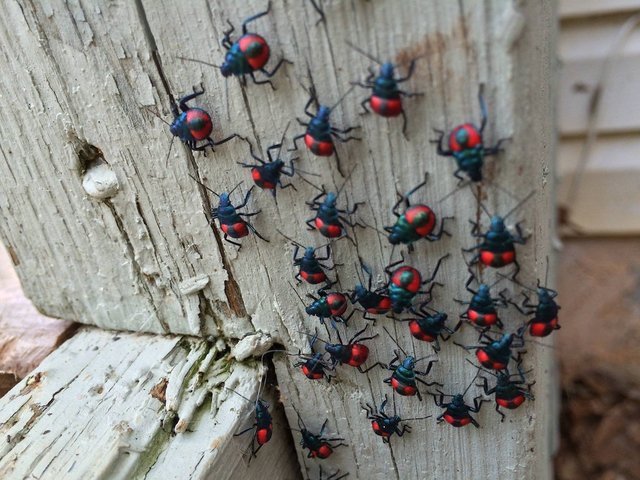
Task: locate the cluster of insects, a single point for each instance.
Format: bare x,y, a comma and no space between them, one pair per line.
407,294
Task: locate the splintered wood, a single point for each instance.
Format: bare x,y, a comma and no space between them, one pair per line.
150,407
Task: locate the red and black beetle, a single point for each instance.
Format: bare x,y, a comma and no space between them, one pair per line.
267,175
192,125
509,392
429,324
497,247
232,223
467,147
417,221
353,353
248,54
482,308
263,425
329,218
405,283
545,312
386,95
385,425
320,134
310,268
374,302
495,354
404,374
330,305
318,446
457,413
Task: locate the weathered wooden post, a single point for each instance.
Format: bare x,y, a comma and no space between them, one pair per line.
103,233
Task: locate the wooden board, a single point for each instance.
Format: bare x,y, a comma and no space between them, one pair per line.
586,8
145,259
148,407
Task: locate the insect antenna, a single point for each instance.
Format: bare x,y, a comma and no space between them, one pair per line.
416,418
297,295
522,202
480,368
203,185
310,183
472,380
282,138
483,107
484,208
517,282
306,172
240,395
374,228
195,60
456,190
546,272
342,97
300,421
362,52
396,342
346,180
156,115
290,239
234,188
166,160
315,337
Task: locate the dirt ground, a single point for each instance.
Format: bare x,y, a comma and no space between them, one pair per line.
599,354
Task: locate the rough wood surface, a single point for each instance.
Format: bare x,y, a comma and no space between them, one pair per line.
26,336
145,259
147,407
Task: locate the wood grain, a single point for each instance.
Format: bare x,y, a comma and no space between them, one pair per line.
108,390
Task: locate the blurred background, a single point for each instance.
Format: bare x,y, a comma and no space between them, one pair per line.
598,199
598,248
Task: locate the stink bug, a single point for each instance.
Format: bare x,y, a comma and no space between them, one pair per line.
417,221
386,95
374,302
353,353
267,175
482,310
497,248
248,54
310,268
192,125
509,392
404,377
457,413
428,325
231,222
496,353
329,218
263,425
318,446
384,425
330,305
545,312
313,366
466,146
405,283
320,134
